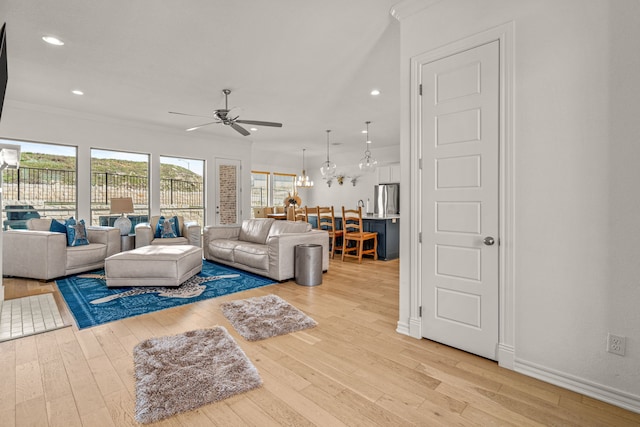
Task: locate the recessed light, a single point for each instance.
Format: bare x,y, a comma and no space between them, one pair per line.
375,92
77,92
364,131
53,40
253,129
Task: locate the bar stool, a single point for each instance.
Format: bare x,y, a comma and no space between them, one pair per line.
327,222
353,232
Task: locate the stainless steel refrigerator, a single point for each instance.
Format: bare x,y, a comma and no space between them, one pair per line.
386,199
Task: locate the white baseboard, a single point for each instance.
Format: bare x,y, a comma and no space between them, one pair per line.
402,328
506,356
580,385
411,329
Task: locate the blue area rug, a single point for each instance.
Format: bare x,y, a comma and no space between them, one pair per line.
92,303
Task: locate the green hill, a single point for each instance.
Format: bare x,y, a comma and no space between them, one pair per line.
122,167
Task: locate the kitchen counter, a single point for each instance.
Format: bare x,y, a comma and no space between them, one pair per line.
387,227
381,217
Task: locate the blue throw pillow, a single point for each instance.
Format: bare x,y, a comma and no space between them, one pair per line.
76,233
57,227
68,223
158,231
176,226
167,228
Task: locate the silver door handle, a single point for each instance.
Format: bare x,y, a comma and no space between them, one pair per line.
489,241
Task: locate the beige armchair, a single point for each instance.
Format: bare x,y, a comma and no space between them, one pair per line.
37,253
191,234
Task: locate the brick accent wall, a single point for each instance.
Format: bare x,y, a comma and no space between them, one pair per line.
228,194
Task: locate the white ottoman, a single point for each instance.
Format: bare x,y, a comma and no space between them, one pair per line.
153,265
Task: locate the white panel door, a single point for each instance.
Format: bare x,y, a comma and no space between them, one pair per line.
228,192
460,206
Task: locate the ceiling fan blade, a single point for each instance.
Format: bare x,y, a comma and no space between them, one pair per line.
199,126
240,129
259,123
192,115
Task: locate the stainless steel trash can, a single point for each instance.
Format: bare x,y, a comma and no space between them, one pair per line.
308,265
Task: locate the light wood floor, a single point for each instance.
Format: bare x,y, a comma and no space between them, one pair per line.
352,369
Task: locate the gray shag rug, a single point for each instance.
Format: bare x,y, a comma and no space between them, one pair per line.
263,317
182,372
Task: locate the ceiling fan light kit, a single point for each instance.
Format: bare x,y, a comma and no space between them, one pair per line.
303,180
328,169
229,118
367,163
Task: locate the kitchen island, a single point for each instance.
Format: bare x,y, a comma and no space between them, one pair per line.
387,227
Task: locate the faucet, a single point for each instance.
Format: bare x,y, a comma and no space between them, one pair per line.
360,203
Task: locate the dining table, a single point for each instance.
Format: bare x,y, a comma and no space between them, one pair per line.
277,215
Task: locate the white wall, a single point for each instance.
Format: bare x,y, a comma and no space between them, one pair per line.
576,145
27,122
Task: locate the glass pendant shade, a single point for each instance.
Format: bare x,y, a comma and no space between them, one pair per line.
303,180
367,163
328,169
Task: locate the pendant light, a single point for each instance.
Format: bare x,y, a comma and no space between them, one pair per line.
303,180
328,169
368,163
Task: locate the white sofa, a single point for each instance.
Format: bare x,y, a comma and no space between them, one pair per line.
263,246
38,253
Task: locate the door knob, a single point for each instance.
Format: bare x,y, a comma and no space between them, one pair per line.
489,241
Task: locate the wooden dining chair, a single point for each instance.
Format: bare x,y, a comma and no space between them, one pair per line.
311,211
327,222
259,212
353,232
300,214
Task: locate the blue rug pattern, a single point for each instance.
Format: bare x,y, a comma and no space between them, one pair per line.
92,303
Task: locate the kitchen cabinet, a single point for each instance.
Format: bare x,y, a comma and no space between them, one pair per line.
388,230
389,173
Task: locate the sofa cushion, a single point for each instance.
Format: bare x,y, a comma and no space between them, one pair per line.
170,241
252,255
39,224
223,249
280,227
57,227
80,256
255,230
167,228
76,233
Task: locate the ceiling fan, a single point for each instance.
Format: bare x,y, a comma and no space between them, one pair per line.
229,118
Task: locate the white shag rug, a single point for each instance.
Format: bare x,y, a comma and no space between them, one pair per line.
263,317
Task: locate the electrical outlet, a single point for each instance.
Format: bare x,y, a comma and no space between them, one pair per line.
616,344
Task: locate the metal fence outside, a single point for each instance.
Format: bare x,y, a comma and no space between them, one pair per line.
54,193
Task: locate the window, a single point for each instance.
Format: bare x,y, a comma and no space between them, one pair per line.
44,186
260,189
283,185
119,174
182,188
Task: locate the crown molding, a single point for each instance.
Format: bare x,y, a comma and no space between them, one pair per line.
407,8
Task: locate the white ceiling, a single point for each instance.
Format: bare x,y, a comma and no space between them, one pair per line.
307,64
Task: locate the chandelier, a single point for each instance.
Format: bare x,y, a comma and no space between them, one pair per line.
367,163
328,169
304,180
